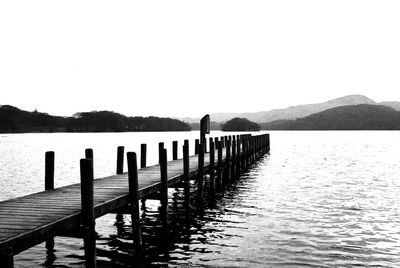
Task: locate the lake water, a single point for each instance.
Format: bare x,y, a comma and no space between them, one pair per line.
319,199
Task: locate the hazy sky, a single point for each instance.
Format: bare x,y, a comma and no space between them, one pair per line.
189,58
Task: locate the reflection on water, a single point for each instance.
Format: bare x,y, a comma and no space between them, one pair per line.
320,199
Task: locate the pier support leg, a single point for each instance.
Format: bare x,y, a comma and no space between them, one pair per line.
228,164
164,199
48,186
135,212
88,220
219,167
119,218
6,257
200,179
143,163
212,172
186,175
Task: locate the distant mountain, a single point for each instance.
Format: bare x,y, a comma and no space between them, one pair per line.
293,112
14,120
352,117
392,104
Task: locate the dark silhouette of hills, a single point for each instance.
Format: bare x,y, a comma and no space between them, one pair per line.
297,111
14,120
352,117
240,124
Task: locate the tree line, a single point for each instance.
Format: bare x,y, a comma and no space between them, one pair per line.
14,120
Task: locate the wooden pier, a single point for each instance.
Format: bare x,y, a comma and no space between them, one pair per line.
29,220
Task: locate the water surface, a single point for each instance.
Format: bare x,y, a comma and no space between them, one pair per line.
319,199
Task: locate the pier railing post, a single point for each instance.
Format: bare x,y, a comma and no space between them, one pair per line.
160,148
186,175
228,163
174,150
7,257
238,156
120,169
219,167
164,198
87,214
120,159
200,179
233,162
143,155
49,185
212,171
134,201
143,164
196,146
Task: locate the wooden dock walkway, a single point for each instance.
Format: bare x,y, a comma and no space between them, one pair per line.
29,220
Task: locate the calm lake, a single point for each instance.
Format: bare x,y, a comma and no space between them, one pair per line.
319,199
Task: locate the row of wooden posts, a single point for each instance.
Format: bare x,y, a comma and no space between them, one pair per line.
240,152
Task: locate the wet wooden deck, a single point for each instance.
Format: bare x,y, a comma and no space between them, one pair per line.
29,220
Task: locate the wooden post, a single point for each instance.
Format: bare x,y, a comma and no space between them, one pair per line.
245,147
134,201
228,164
204,129
200,179
196,146
49,171
120,159
212,171
164,197
223,141
89,153
120,169
174,150
143,155
143,164
87,214
186,175
186,143
219,167
48,186
160,148
238,156
7,257
233,164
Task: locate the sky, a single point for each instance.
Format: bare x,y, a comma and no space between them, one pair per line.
190,58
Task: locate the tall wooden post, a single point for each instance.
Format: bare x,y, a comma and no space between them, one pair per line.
200,179
196,146
143,155
120,159
88,219
204,129
212,171
186,175
174,150
160,148
219,167
164,198
238,156
48,186
228,164
143,164
120,169
134,201
233,162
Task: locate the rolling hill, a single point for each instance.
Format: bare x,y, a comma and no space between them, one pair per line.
351,117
